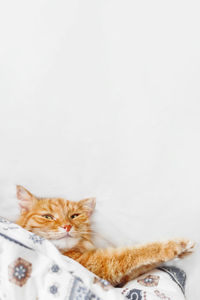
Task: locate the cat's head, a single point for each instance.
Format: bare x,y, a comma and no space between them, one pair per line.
66,223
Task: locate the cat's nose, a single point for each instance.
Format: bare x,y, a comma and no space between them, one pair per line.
67,227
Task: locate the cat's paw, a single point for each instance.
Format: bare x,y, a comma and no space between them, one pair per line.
183,247
178,248
186,247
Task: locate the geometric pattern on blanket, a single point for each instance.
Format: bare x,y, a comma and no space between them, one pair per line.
155,284
32,268
176,274
80,291
19,271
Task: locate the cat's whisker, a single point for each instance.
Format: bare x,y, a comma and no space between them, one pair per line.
84,232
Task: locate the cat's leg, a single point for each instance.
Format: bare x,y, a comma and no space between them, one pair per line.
117,264
136,272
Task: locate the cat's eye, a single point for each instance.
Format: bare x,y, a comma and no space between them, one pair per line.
49,217
74,216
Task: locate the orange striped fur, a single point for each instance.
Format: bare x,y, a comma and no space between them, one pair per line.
67,224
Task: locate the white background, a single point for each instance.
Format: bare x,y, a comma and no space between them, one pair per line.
102,98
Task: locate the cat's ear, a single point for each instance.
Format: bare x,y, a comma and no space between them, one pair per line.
88,205
26,199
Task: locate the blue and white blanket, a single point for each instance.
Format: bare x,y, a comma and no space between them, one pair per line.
31,268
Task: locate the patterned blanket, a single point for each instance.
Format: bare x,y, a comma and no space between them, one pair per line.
31,268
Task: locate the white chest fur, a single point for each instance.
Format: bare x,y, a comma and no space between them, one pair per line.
65,243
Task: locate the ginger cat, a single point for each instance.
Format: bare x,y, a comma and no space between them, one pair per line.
67,224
